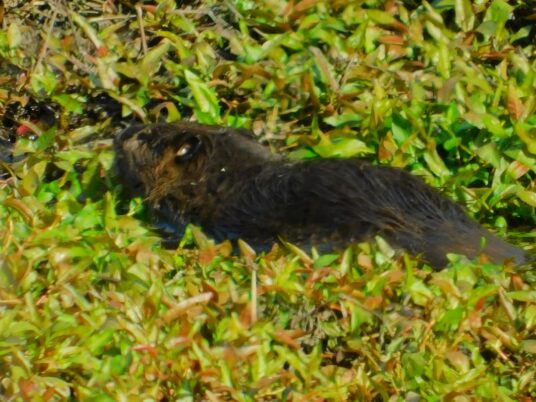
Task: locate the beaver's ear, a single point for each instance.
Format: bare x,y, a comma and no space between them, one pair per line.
187,148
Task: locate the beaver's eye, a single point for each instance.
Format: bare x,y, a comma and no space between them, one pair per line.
187,149
184,150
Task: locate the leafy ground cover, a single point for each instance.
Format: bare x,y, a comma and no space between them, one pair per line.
93,309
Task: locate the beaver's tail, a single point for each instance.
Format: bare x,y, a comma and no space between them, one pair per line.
469,240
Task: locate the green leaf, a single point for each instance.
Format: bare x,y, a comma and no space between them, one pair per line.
343,148
14,36
499,12
152,61
325,260
44,80
528,296
401,129
528,197
450,321
205,99
420,294
381,17
436,164
346,119
465,17
302,153
414,364
69,102
528,345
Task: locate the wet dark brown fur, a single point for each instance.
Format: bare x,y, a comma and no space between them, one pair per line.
224,181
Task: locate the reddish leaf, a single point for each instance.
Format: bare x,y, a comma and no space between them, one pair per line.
514,104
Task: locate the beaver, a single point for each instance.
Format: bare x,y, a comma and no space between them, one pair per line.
233,187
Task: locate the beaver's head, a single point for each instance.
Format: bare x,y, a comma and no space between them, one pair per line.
157,160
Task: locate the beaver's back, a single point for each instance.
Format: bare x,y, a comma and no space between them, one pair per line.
332,202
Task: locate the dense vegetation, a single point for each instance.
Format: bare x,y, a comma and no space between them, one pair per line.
93,309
